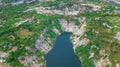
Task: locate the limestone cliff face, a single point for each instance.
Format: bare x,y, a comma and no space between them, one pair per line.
72,10
77,31
45,44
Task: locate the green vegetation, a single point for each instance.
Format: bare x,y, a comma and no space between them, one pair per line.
13,57
100,35
24,34
83,51
38,53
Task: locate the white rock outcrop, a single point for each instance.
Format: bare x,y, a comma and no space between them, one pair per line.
77,31
32,61
43,44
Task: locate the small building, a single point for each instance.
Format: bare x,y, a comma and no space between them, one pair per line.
7,45
1,4
118,36
1,25
18,2
2,56
31,2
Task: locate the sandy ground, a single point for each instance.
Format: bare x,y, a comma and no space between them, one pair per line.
4,65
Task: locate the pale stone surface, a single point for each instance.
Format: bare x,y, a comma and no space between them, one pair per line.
105,24
32,61
77,32
91,55
71,27
73,10
56,31
103,62
117,65
43,44
22,22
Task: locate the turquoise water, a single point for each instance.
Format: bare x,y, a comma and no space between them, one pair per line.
62,54
118,11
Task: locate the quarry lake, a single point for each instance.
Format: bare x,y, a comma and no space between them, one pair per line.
62,53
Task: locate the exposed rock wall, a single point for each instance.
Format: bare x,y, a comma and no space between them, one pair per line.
77,31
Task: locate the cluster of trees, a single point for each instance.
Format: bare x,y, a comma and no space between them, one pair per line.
11,12
83,51
12,59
